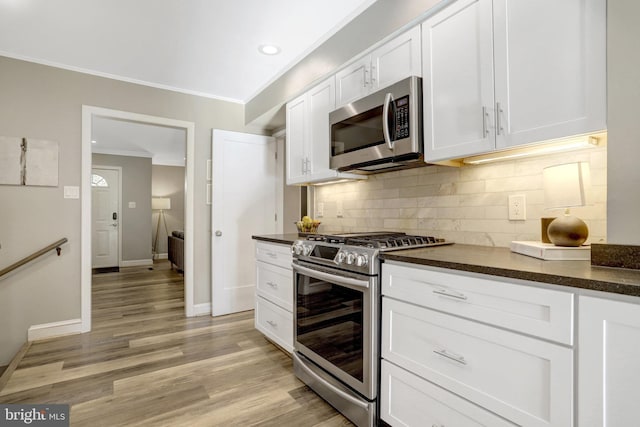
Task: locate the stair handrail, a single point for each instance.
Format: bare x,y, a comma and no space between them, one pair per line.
37,254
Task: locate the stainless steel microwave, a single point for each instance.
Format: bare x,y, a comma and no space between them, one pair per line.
380,132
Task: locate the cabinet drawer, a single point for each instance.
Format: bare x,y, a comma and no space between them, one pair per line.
275,323
273,253
523,379
275,284
408,400
540,312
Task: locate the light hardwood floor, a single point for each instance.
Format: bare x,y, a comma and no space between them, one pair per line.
145,364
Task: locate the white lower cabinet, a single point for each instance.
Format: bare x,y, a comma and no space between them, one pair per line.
274,293
275,323
608,372
407,397
478,367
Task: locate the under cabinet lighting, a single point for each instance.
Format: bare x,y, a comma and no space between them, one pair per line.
552,147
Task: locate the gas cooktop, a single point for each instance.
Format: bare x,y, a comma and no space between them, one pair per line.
383,241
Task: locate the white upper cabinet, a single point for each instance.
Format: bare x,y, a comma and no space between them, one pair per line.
550,67
308,136
388,64
458,85
503,73
296,140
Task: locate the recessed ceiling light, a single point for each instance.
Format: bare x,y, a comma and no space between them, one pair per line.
269,49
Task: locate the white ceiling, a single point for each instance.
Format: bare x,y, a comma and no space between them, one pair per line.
164,145
201,47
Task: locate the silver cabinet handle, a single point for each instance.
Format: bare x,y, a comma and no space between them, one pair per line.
365,83
373,74
485,128
272,323
273,285
272,255
448,293
498,118
304,166
451,356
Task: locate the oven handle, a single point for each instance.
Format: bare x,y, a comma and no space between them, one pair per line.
336,390
347,281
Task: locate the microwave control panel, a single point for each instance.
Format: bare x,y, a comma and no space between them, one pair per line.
401,117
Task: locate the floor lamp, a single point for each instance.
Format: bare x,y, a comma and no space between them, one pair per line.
160,204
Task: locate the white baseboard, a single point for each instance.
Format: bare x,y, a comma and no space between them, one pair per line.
136,263
162,256
54,329
202,309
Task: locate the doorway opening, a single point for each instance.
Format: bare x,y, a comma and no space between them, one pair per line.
90,115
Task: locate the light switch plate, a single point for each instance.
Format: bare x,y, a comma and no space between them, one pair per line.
71,192
132,205
320,210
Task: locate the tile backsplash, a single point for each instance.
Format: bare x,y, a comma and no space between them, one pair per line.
468,204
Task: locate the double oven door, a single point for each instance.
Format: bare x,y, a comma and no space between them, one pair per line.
335,324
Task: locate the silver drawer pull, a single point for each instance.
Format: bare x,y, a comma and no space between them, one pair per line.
452,356
273,285
448,293
272,323
272,254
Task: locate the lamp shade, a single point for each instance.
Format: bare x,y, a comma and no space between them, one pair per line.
565,185
161,203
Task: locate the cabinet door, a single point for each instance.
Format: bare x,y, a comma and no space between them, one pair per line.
457,63
296,140
353,82
608,376
321,101
396,60
550,67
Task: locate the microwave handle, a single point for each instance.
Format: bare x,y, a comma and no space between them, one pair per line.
385,120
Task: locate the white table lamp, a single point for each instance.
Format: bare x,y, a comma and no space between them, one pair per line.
565,186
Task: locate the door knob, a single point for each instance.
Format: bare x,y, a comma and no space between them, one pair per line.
218,233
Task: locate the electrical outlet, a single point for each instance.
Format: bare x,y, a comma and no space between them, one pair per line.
320,210
339,210
517,207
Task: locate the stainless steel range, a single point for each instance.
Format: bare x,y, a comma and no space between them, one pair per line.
337,300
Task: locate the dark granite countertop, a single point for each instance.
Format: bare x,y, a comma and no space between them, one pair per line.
502,262
287,238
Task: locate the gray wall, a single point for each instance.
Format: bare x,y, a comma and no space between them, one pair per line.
168,181
623,111
136,187
46,103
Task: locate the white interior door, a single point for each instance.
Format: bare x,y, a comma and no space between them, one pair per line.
243,204
105,201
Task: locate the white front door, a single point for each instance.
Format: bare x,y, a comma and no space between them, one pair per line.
105,200
243,204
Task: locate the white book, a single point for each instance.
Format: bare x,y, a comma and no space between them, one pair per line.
551,252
